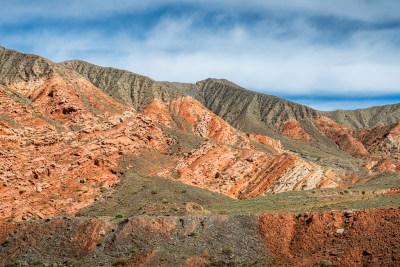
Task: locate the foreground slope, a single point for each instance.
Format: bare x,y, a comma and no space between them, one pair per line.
343,238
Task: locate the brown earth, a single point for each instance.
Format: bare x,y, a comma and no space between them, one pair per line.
349,238
339,238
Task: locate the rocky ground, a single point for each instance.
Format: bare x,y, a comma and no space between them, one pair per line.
340,238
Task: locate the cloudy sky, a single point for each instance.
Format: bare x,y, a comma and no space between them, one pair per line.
331,54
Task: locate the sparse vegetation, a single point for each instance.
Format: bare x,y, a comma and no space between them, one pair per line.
120,262
193,234
227,251
5,243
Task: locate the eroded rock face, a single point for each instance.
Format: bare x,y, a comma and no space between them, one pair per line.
342,238
50,241
57,152
292,129
246,173
378,144
240,171
382,142
273,143
343,136
62,138
206,124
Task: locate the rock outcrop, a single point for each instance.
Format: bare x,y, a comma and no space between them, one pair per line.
62,146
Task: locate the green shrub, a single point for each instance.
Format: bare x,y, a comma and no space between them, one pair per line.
5,243
227,251
120,262
194,234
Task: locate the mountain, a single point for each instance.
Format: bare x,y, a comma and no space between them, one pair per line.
320,137
124,170
181,109
64,140
367,117
126,87
300,129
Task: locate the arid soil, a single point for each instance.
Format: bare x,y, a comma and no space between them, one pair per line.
339,238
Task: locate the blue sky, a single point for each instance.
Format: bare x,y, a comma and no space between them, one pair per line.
327,54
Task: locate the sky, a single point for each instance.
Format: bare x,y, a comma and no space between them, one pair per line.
331,54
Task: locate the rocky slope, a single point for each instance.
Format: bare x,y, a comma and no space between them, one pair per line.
233,176
252,112
126,87
299,128
311,133
63,140
50,110
367,117
339,238
61,145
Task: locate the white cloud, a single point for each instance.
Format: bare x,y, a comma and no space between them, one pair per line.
255,56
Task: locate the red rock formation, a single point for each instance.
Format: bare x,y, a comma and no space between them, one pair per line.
158,112
293,129
381,145
247,173
59,151
382,142
207,124
273,143
343,136
350,238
